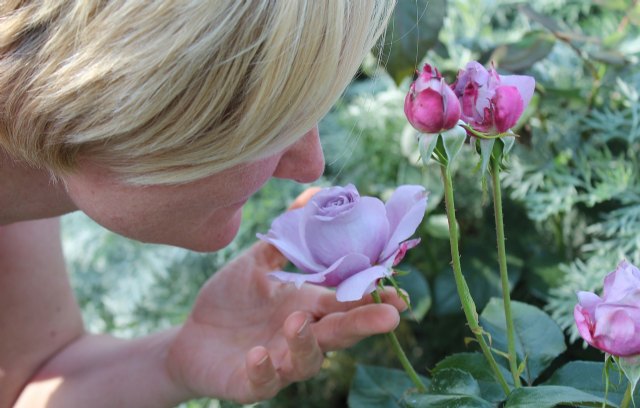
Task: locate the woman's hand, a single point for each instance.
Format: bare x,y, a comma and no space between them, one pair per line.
249,336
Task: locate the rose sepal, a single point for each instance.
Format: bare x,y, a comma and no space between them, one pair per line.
492,147
444,146
630,366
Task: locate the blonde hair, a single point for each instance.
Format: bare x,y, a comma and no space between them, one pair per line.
172,91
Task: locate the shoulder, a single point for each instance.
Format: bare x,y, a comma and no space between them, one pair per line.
30,245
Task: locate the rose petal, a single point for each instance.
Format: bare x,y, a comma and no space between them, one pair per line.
402,250
486,93
332,202
350,265
473,72
343,267
427,110
362,230
452,108
468,101
297,278
508,107
405,211
526,86
360,284
399,254
589,301
618,284
615,331
285,235
583,322
425,77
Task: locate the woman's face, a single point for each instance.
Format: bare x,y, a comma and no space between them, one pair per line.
203,215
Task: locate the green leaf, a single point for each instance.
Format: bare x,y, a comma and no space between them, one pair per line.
549,396
538,337
412,31
378,387
588,376
450,387
453,381
521,55
445,401
476,365
611,57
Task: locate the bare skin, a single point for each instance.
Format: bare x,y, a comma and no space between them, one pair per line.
245,339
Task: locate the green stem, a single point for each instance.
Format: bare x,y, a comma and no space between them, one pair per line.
626,399
468,306
504,276
397,348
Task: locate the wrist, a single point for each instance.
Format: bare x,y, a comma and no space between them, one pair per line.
173,386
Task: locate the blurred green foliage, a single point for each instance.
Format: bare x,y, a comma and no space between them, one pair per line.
572,208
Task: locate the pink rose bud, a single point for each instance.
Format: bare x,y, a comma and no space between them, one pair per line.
492,103
611,323
431,106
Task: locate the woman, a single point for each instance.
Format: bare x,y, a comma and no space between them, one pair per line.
159,120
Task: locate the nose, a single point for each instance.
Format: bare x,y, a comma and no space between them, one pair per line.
303,161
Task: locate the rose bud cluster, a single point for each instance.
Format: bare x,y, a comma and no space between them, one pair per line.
486,101
340,239
611,323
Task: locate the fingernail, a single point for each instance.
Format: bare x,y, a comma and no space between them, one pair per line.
263,361
302,330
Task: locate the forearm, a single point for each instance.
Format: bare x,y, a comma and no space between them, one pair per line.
102,371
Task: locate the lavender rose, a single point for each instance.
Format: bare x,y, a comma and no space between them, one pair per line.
612,323
342,240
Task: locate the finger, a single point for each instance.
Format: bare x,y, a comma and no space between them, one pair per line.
341,330
268,255
304,197
264,381
306,355
327,303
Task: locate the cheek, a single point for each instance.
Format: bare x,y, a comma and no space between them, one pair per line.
204,215
134,213
117,213
240,185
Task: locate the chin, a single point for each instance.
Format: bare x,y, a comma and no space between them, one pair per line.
217,236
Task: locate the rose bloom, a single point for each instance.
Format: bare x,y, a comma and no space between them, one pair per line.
340,239
611,323
492,103
431,106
